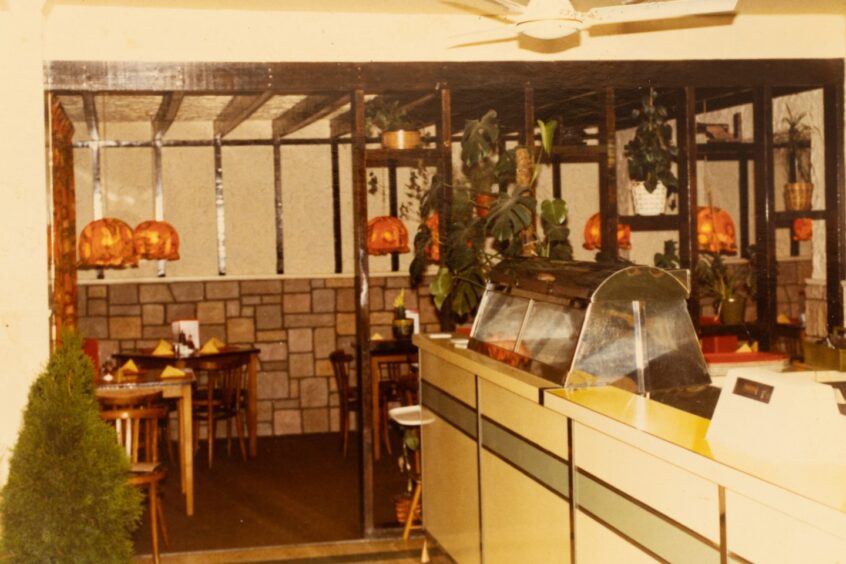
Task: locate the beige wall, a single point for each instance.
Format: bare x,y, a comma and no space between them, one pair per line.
259,30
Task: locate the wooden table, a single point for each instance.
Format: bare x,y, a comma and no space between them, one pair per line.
179,388
385,352
145,359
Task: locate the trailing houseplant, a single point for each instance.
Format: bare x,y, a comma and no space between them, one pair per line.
477,241
67,498
650,156
798,189
391,121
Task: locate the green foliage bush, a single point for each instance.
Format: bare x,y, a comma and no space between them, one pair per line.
67,497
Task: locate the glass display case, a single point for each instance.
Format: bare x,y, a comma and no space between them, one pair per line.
580,324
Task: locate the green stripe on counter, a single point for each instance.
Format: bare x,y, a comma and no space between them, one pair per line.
450,408
532,460
658,534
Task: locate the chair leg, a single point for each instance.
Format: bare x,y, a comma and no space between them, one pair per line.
383,422
345,420
228,436
239,427
415,501
153,494
162,523
210,433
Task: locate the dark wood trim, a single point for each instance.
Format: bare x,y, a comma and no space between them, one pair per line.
403,157
785,219
608,210
688,187
556,177
393,206
743,187
89,107
219,209
762,112
835,248
444,130
277,201
305,112
528,137
362,308
239,109
169,107
308,78
336,208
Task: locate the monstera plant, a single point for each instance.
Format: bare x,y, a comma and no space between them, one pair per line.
478,237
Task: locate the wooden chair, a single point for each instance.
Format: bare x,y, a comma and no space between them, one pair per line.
349,400
135,418
222,398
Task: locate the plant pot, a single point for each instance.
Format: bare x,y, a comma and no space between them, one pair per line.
482,203
797,196
646,203
733,311
401,139
402,328
402,503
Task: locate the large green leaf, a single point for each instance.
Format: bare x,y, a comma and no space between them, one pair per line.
547,131
554,212
480,139
510,214
441,286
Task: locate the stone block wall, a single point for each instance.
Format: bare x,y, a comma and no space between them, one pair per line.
295,323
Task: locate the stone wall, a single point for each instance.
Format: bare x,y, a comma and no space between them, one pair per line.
295,324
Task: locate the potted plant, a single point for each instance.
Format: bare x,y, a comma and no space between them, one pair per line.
799,188
391,121
650,157
402,326
728,288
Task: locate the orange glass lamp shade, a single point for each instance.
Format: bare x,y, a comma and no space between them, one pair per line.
385,235
433,249
107,242
715,231
156,240
593,235
803,229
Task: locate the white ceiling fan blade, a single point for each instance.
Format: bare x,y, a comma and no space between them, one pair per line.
658,11
482,14
495,33
510,5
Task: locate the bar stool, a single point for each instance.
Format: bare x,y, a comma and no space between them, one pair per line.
410,416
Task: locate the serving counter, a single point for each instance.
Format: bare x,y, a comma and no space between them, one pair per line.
519,469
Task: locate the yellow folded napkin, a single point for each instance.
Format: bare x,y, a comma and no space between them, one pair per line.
172,372
377,337
212,346
163,349
783,319
128,366
744,348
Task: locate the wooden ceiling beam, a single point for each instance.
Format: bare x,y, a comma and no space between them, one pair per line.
90,108
239,109
167,113
305,112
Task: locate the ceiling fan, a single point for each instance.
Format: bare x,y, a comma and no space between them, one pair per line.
556,19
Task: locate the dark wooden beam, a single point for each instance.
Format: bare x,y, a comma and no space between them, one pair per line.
277,205
608,178
362,309
336,208
306,78
239,109
443,130
307,111
687,196
167,113
743,187
835,248
393,205
762,118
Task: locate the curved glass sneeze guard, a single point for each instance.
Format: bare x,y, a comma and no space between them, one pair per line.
628,327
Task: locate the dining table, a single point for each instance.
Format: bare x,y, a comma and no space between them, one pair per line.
179,388
386,351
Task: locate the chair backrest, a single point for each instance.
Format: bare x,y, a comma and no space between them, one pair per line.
136,429
341,368
227,378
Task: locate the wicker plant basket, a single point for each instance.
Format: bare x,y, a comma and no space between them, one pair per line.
402,503
797,196
401,139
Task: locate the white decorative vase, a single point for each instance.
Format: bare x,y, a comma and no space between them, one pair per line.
646,203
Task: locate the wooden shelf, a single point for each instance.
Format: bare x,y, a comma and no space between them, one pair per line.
664,222
786,218
725,151
403,157
579,153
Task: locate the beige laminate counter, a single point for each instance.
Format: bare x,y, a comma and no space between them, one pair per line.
656,459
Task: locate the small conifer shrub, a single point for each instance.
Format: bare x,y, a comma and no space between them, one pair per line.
67,497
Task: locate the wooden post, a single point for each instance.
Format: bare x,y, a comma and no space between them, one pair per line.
277,193
762,112
362,307
444,131
688,249
835,268
336,207
743,185
608,178
393,208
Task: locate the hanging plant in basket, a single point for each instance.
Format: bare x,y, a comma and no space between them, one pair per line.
799,189
650,156
392,122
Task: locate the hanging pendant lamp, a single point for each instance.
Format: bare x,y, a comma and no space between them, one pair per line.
156,240
593,235
803,229
107,242
386,234
715,231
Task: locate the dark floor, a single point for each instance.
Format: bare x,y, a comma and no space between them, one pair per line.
299,489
